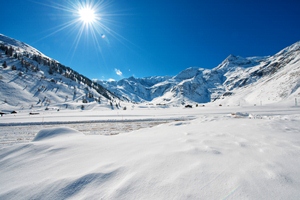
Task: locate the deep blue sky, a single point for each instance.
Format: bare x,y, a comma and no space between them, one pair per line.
154,37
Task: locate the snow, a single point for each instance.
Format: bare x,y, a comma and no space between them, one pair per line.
243,145
15,43
277,74
250,81
214,153
46,134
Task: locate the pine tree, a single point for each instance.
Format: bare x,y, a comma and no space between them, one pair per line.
4,65
10,51
50,71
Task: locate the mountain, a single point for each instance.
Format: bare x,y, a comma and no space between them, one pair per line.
137,89
29,79
236,80
274,79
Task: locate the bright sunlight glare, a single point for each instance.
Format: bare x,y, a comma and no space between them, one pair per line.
87,15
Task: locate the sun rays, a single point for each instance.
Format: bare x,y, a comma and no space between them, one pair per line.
86,19
88,28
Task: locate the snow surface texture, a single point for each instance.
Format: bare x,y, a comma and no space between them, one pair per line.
221,150
223,153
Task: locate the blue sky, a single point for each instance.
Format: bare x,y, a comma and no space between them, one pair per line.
152,37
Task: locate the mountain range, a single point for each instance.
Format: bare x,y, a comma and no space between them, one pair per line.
30,79
236,80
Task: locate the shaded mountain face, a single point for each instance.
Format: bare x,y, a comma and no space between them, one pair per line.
207,85
28,78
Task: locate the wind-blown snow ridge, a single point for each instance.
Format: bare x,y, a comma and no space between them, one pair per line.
51,133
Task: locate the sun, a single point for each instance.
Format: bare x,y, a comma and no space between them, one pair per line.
85,18
87,15
87,22
87,25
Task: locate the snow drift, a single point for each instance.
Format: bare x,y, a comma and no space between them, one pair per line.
46,134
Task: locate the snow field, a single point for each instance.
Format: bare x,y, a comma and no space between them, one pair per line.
223,153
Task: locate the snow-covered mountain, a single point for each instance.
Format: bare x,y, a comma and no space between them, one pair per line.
29,79
273,79
236,80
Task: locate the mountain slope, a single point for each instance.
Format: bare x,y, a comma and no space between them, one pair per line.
276,79
30,79
278,73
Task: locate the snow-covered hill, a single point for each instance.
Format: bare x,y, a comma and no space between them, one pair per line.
29,79
250,80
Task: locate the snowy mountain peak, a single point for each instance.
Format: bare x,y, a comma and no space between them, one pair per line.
232,62
232,58
290,49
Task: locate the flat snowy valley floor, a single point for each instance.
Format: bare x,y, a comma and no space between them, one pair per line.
146,153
